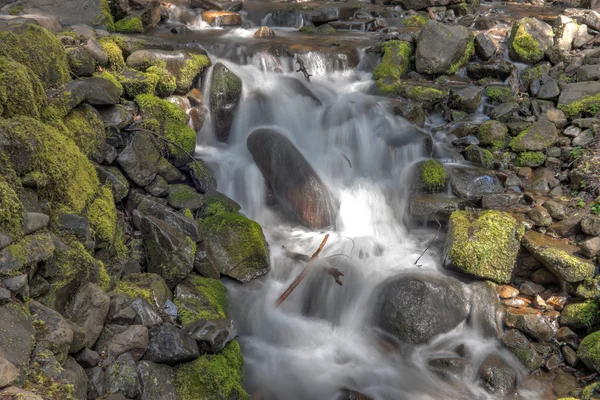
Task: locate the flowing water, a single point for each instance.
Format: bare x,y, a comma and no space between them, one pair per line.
323,337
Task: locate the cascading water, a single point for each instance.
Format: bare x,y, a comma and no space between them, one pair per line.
323,337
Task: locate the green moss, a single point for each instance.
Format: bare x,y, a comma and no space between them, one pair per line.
12,211
525,47
68,33
39,50
14,10
154,108
493,133
209,300
215,203
21,92
217,376
129,25
62,173
151,287
110,77
308,29
114,52
589,351
191,70
184,136
484,245
427,96
188,213
530,159
102,215
416,20
137,83
580,314
581,107
105,18
467,55
590,390
479,155
39,383
499,94
166,82
394,64
432,176
86,129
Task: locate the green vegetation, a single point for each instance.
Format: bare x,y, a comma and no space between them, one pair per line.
114,52
105,18
21,92
102,215
467,55
129,25
416,20
85,127
431,176
494,134
530,159
589,351
207,300
585,106
191,70
166,82
394,64
525,47
499,94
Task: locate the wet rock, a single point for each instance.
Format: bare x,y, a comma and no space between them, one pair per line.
122,377
211,335
115,178
170,253
202,176
221,18
495,69
236,246
528,40
531,322
225,94
497,376
415,307
157,381
434,206
558,257
508,292
588,351
466,99
502,201
484,47
540,216
118,116
443,49
591,247
484,245
16,341
139,159
116,340
295,184
144,313
264,32
198,116
473,183
8,373
57,335
88,309
538,137
522,348
168,345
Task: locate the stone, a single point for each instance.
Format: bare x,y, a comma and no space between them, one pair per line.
549,90
202,177
225,94
221,18
211,335
590,225
522,348
485,48
75,375
556,210
197,117
588,73
75,225
497,376
542,181
8,373
569,355
116,341
16,341
416,306
236,246
144,313
96,382
157,381
122,376
170,253
81,62
14,392
443,49
466,99
579,315
169,345
576,97
588,351
540,216
158,188
95,91
558,257
33,222
494,69
57,335
183,197
139,159
295,184
501,201
264,32
584,138
17,285
528,40
565,30
87,358
473,183
508,292
96,51
538,137
557,117
434,206
591,247
115,178
88,309
531,322
543,276
32,249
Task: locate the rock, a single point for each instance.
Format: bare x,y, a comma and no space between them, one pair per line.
558,257
145,313
96,51
556,210
428,176
529,38
17,285
202,177
443,49
117,116
557,117
236,246
485,48
225,94
28,251
588,351
75,375
168,345
16,341
542,181
543,277
417,306
434,206
183,197
140,159
549,90
157,381
591,247
584,138
122,377
540,216
588,73
590,225
466,99
95,91
508,292
221,18
81,61
96,382
14,392
200,298
70,12
522,348
473,183
575,98
494,69
497,376
484,245
75,225
569,355
87,358
151,287
170,254
117,181
34,222
118,340
579,315
538,137
198,116
8,373
264,32
502,201
57,335
531,322
295,184
565,30
211,335
88,309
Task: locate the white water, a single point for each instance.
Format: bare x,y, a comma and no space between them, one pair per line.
288,354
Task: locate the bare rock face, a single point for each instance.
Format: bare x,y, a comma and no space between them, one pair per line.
294,182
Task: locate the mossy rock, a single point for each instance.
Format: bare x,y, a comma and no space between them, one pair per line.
580,315
200,298
530,159
589,351
115,54
538,137
85,127
225,94
81,62
494,134
394,64
17,335
216,376
21,92
483,245
480,156
148,286
236,246
528,40
136,83
416,20
184,197
26,252
62,173
12,210
102,215
443,49
429,177
422,93
499,94
166,82
37,48
129,25
215,203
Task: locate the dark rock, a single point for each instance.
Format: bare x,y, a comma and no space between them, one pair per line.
33,248
34,222
117,340
81,61
144,313
501,201
157,381
484,47
183,197
96,383
75,225
473,183
88,309
87,358
549,90
497,376
16,340
158,188
140,159
202,177
570,355
495,69
117,181
75,375
118,116
434,206
57,335
467,99
95,91
211,335
522,348
442,49
122,377
225,94
577,91
168,345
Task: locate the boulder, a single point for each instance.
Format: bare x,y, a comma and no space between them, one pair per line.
558,257
81,61
116,340
522,348
588,351
497,376
29,100
473,183
236,246
434,206
443,49
225,94
531,322
565,30
295,184
75,375
495,69
485,48
157,381
202,176
211,335
17,338
139,159
122,377
88,309
200,298
590,225
57,335
96,91
483,245
575,98
538,137
87,358
528,40
115,178
466,99
169,345
25,252
183,197
417,306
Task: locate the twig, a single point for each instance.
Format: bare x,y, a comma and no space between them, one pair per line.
349,163
302,68
430,243
431,13
336,273
302,274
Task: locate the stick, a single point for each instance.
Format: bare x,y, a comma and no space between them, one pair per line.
431,14
302,275
302,69
349,163
430,243
336,273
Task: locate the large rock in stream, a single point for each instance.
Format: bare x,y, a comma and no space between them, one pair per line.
294,182
225,94
443,49
528,40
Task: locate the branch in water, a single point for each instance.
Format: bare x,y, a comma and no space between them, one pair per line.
335,273
349,163
430,243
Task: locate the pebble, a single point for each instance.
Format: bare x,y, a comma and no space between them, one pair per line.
515,303
531,289
557,302
508,292
538,303
570,355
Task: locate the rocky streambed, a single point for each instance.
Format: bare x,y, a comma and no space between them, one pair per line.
167,170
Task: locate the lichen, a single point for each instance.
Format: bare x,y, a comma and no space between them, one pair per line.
113,51
499,94
416,20
394,64
166,82
102,215
129,25
484,245
530,159
21,92
581,107
213,376
191,70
